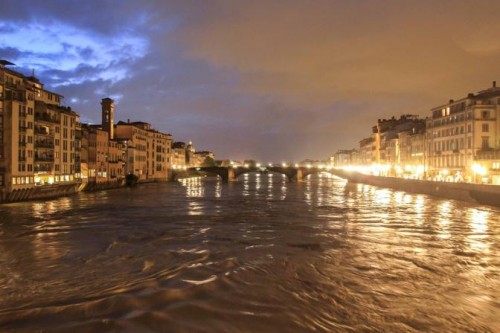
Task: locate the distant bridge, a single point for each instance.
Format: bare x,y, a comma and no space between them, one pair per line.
229,174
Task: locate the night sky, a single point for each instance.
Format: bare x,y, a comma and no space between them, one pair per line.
270,80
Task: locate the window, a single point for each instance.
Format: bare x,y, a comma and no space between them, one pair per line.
485,114
485,143
486,127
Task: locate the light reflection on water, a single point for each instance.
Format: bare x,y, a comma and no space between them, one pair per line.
261,254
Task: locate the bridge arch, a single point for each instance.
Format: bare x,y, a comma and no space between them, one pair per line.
219,171
316,171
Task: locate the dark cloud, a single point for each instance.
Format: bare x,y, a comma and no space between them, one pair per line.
273,80
10,53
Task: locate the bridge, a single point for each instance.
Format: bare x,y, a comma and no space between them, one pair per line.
229,174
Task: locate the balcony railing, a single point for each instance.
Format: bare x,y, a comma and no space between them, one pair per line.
23,128
44,158
42,131
488,154
43,168
44,144
46,117
22,143
21,158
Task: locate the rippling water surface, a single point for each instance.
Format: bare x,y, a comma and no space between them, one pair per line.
259,255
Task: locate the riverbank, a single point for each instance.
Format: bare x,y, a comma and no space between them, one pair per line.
58,190
473,193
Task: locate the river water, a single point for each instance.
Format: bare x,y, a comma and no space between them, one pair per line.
259,255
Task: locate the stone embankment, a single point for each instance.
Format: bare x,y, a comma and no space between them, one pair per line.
474,193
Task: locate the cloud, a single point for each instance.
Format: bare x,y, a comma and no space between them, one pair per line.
275,79
67,49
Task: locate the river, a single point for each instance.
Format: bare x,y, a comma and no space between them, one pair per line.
258,255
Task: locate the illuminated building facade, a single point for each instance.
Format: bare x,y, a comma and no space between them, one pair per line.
37,135
148,152
397,146
463,138
178,155
367,151
345,157
103,157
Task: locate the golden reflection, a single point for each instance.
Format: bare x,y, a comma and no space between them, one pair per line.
246,185
398,197
283,191
478,220
218,189
478,223
46,244
308,192
444,219
258,180
419,208
382,197
270,186
194,187
195,208
42,209
319,191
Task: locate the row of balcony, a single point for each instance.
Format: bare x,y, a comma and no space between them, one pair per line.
44,116
488,154
42,131
44,144
43,168
44,158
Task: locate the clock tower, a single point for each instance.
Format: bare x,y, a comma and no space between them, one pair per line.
108,116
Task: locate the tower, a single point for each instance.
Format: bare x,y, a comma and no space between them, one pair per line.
108,116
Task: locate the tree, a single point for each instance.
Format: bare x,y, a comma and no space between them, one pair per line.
208,162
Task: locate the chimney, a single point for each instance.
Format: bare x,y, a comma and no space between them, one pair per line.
470,95
494,84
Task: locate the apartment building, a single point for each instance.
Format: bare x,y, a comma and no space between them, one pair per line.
37,135
148,152
345,157
463,138
178,155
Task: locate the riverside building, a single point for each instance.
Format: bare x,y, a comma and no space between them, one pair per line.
398,148
147,153
463,138
38,147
